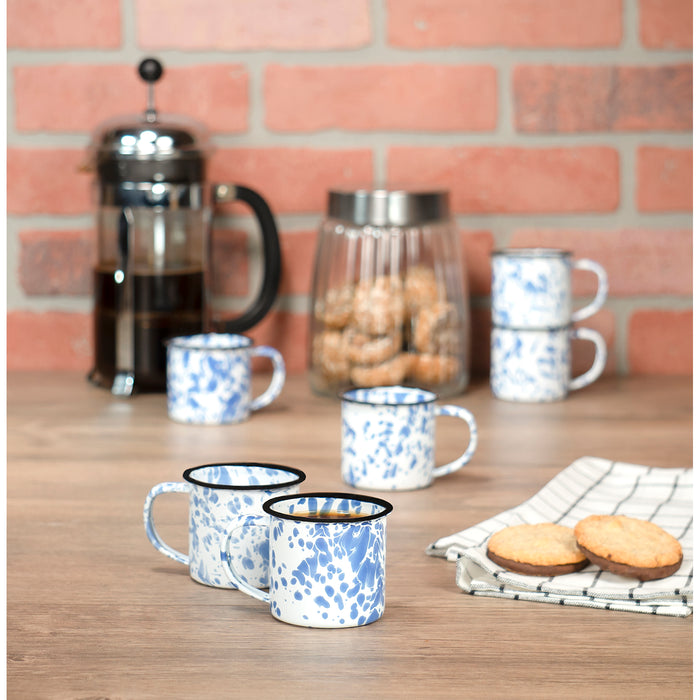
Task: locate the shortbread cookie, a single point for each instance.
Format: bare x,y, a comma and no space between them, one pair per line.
436,329
420,288
434,369
378,306
544,549
331,355
629,546
335,308
392,371
365,349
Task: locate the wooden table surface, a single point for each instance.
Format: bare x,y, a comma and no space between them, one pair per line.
94,611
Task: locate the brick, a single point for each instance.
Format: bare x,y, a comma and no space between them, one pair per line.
514,180
289,333
567,99
371,98
476,256
511,23
252,24
298,254
49,340
666,24
638,261
664,179
660,341
47,181
70,24
69,97
292,179
56,262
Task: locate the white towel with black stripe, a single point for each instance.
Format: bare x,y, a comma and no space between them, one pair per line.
589,486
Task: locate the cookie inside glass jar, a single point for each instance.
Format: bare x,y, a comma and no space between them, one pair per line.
389,294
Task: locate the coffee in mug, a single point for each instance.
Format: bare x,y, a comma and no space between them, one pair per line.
327,558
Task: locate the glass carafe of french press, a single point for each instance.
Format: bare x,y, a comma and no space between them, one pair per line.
152,279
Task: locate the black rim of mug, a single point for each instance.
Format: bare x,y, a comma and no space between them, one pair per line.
387,507
299,476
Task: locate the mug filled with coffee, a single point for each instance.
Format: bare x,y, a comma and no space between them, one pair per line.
327,558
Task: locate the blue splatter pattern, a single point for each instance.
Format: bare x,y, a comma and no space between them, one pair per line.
209,378
530,291
218,495
388,438
535,365
324,573
531,288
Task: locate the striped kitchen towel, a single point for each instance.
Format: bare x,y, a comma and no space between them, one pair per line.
588,486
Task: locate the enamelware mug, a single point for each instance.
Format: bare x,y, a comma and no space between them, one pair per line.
535,365
327,558
388,438
218,495
531,288
209,378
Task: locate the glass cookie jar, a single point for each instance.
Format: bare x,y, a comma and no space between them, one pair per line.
389,301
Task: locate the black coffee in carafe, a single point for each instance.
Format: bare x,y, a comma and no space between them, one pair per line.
153,239
165,305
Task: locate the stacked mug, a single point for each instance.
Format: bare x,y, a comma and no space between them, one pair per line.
532,324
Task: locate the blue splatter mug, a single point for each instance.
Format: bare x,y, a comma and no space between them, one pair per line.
531,288
388,438
209,378
535,365
218,495
327,558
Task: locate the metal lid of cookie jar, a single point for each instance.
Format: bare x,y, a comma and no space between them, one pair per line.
388,207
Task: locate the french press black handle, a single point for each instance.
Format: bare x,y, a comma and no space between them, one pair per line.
272,257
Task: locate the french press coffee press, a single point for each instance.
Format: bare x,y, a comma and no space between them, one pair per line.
152,280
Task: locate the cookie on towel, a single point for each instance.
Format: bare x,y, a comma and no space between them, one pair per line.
629,546
544,549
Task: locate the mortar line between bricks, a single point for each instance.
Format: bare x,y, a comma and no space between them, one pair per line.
634,55
335,139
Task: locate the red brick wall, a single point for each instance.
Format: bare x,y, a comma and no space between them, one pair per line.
553,122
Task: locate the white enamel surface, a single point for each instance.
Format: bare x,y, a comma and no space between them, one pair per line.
322,574
531,291
209,378
388,438
535,365
212,510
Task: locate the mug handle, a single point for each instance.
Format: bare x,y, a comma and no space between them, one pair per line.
468,418
272,256
279,374
153,536
601,293
601,356
241,522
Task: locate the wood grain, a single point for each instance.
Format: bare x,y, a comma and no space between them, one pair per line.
94,611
